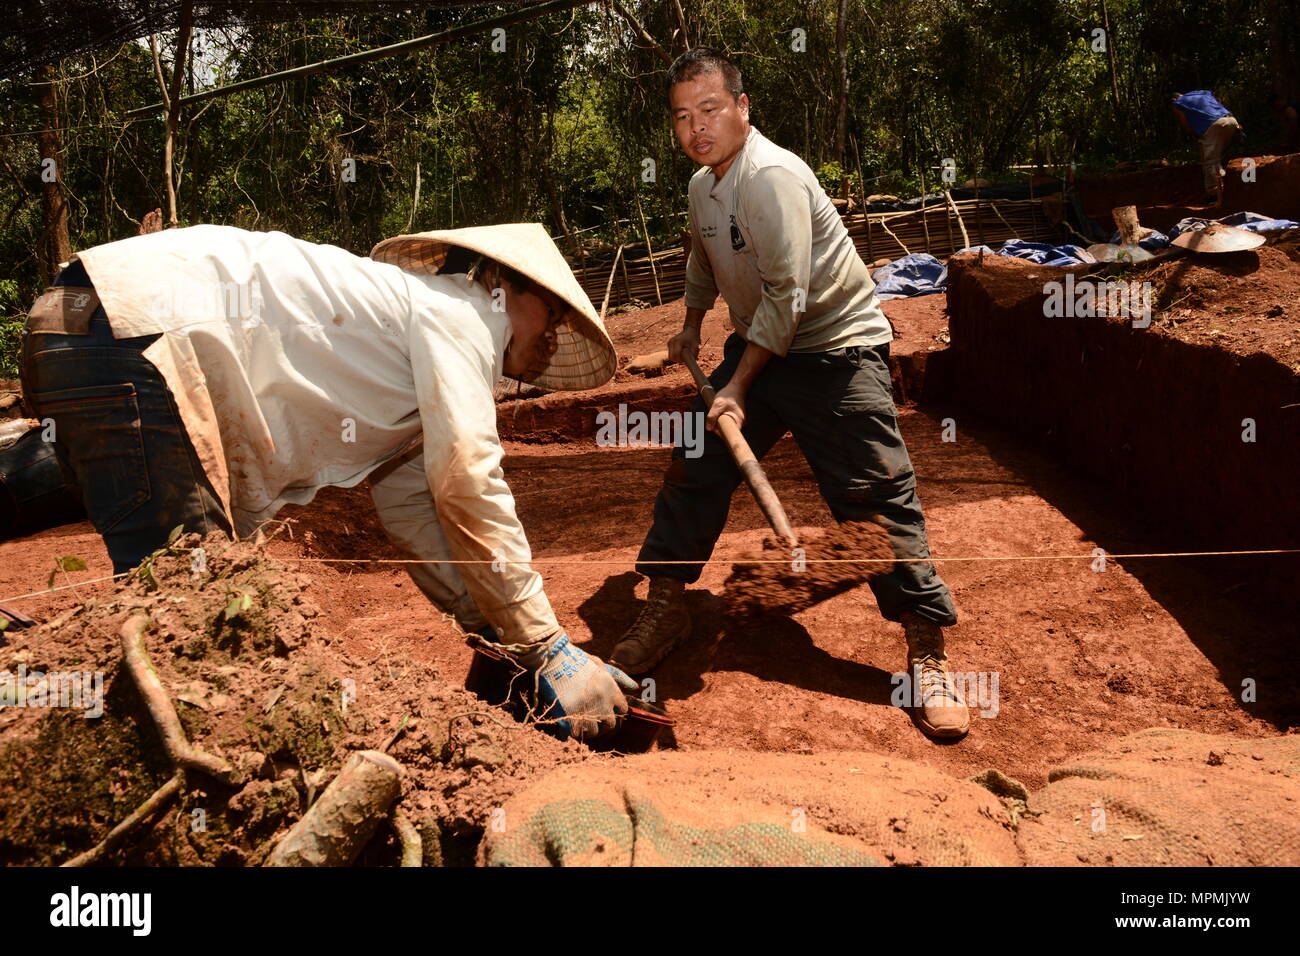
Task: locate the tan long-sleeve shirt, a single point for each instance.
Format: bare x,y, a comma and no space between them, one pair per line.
296,365
788,249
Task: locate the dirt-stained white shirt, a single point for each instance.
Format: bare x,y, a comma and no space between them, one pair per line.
769,239
296,365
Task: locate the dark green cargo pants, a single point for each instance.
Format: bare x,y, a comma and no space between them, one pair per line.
839,407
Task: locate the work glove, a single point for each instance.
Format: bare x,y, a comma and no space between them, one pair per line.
577,694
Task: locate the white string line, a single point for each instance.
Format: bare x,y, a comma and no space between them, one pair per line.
62,587
741,559
727,560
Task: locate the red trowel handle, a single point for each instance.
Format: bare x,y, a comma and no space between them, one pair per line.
745,460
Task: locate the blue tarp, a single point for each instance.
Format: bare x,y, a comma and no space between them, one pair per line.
917,274
1254,222
923,274
1044,253
1157,239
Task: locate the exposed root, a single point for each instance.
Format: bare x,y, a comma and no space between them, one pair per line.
338,825
183,756
147,812
156,699
412,842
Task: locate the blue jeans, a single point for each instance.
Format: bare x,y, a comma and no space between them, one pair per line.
118,434
839,407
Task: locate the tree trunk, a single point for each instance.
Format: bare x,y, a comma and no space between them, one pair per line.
1110,59
561,221
1284,47
55,246
842,101
174,108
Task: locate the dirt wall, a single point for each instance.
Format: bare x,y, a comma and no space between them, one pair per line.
1155,419
1167,194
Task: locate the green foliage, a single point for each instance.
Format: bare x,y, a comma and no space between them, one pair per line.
10,297
558,128
66,563
12,320
831,177
11,331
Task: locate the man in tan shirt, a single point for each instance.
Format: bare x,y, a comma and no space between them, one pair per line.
810,355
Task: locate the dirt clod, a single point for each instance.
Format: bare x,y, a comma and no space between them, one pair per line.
766,587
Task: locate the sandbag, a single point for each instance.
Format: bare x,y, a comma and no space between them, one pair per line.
722,808
1167,797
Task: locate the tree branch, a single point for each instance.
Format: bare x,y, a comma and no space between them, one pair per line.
641,32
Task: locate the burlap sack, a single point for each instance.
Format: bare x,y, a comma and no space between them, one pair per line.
751,809
1168,797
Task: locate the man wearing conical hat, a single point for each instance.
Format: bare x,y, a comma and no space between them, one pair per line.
204,377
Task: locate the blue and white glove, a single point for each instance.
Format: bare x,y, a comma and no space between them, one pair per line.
578,695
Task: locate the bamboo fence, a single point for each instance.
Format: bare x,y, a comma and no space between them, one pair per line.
940,229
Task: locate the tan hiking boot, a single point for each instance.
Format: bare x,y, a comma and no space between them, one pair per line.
941,712
659,628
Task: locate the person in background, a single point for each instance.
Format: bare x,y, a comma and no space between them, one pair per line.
1288,121
1205,118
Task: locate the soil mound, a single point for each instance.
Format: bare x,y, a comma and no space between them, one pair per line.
716,808
257,680
1157,797
1166,797
1245,301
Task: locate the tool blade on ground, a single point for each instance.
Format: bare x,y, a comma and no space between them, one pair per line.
1216,237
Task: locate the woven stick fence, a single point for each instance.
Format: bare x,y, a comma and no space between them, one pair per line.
936,229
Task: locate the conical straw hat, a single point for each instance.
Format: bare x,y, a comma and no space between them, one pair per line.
584,356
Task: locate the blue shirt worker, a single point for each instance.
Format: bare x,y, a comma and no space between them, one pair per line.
1204,117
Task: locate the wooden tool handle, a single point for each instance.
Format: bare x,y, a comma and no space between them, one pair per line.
743,455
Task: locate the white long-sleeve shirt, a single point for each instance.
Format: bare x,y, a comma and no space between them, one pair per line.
796,283
296,365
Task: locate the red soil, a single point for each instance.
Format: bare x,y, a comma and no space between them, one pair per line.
1081,656
1244,302
1166,195
1157,417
